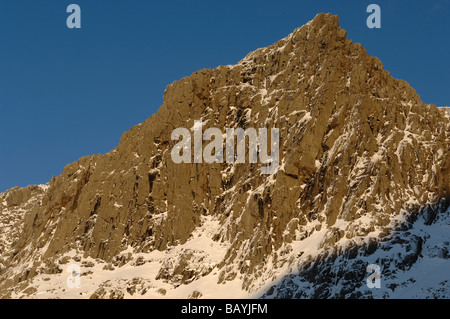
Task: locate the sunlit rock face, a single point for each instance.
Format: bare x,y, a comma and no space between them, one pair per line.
358,152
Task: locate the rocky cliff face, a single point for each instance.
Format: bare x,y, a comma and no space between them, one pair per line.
359,150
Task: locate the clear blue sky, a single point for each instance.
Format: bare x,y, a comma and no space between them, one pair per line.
66,93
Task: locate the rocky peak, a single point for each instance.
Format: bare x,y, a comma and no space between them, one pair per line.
358,150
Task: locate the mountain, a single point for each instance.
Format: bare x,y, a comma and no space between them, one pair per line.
362,161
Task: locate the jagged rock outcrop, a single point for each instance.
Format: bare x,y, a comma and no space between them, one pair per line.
357,149
185,268
14,203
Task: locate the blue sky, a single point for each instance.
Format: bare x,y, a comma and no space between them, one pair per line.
66,93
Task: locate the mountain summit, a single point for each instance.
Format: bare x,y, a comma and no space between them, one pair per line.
360,155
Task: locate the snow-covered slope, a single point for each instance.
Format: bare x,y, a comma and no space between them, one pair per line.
446,109
414,262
